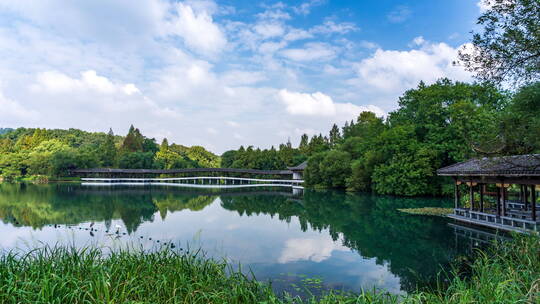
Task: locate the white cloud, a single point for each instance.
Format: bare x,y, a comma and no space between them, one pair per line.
397,71
233,124
309,132
399,14
484,5
297,34
87,21
12,112
94,97
311,51
197,29
330,27
269,48
269,29
130,89
274,14
308,104
56,82
237,77
305,8
418,41
332,70
319,104
368,44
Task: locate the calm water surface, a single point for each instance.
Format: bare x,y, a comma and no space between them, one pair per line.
347,241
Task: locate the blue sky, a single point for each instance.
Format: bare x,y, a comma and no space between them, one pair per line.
221,73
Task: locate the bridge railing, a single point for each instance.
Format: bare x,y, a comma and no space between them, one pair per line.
197,181
296,181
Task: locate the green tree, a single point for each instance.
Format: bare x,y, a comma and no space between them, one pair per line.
228,158
334,136
40,158
521,121
133,142
6,145
335,168
203,157
317,144
362,171
149,145
13,165
62,162
304,143
108,150
136,160
508,48
409,166
164,145
312,174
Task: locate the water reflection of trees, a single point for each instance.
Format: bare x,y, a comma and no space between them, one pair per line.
40,205
414,247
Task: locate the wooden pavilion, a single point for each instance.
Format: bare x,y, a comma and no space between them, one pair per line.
497,192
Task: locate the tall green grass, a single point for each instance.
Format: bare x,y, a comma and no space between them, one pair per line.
509,273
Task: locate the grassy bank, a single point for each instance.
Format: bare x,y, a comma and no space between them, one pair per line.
508,274
435,211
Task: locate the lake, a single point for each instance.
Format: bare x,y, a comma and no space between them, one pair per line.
318,240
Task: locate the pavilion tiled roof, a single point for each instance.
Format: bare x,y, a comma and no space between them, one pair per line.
515,165
300,167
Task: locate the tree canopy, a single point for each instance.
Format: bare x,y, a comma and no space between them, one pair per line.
434,126
43,152
508,47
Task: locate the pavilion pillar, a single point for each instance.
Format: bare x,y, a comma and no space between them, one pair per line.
471,194
504,200
456,195
482,186
499,189
526,193
533,201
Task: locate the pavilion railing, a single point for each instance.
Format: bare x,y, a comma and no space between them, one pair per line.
495,221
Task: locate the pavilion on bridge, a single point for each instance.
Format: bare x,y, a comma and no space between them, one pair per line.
298,171
497,192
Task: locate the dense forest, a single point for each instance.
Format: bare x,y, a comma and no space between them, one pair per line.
434,125
52,153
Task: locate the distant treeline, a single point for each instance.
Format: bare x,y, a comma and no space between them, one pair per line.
434,126
5,130
41,152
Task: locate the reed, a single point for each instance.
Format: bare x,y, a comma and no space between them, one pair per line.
508,272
